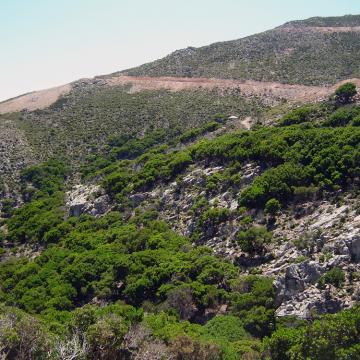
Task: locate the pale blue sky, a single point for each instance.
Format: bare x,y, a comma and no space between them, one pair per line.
46,43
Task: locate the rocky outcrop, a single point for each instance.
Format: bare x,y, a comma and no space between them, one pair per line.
313,302
309,238
87,199
353,244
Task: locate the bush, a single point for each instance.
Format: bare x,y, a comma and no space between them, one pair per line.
345,93
7,207
254,240
219,118
126,147
342,116
105,337
260,321
22,336
46,178
335,277
274,183
214,216
356,121
298,115
187,348
226,327
272,207
330,337
192,134
182,301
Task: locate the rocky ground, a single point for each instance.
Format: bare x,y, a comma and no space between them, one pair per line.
309,238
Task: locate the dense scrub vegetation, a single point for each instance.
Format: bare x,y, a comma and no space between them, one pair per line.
82,122
331,337
133,266
319,155
42,190
125,284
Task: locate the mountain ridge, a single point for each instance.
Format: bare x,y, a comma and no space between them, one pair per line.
280,54
318,21
345,23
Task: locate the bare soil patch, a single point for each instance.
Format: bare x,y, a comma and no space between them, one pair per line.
270,91
34,100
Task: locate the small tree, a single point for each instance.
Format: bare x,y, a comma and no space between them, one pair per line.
253,240
181,299
272,207
345,93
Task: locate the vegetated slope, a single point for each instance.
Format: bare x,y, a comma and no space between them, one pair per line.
316,51
81,121
85,119
298,52
74,119
270,92
133,276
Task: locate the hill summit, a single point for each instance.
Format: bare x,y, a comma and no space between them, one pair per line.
298,52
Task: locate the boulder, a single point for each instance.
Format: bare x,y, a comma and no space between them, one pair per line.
310,271
353,244
87,199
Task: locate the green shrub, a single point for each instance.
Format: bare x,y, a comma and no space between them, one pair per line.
356,121
345,93
342,116
274,183
225,327
254,240
192,134
251,291
335,277
32,221
330,337
7,207
127,147
272,207
46,178
259,321
214,216
298,115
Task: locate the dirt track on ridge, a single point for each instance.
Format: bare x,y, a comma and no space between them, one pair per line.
293,93
270,91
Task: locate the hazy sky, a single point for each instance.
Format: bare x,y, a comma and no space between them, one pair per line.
46,43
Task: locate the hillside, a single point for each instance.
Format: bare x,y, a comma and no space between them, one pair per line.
299,52
212,244
81,122
76,120
188,210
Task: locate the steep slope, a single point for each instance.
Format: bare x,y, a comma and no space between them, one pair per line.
81,120
164,228
199,247
299,52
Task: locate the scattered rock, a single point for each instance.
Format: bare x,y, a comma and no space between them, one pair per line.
87,199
